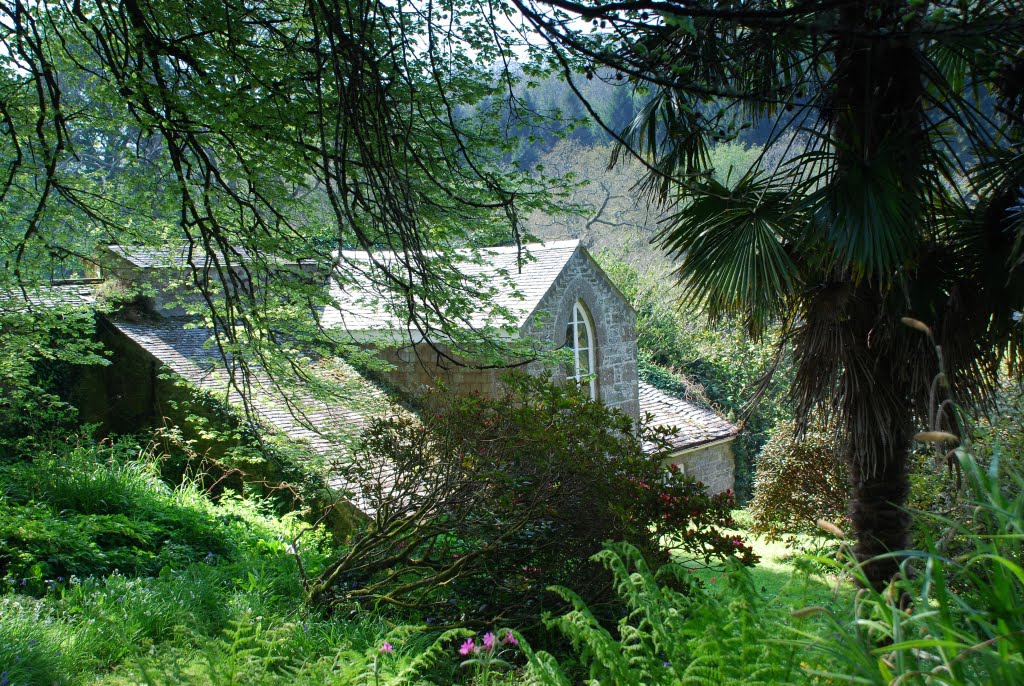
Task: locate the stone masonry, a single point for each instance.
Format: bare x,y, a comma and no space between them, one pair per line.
540,294
714,465
581,280
614,324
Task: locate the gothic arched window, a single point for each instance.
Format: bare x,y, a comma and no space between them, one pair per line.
579,338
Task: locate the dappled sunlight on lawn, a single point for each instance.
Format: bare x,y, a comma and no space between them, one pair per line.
786,575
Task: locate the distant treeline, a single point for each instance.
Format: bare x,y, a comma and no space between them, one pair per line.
604,102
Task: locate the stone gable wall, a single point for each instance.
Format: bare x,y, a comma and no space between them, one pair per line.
614,323
614,327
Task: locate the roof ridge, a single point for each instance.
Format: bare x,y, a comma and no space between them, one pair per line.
494,250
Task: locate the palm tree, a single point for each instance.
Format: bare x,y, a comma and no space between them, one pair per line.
899,196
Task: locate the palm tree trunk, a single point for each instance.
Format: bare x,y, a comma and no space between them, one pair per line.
878,111
878,494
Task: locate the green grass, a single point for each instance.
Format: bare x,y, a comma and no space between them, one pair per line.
775,577
109,575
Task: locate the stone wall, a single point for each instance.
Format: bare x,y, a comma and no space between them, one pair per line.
614,327
614,324
713,465
164,287
418,367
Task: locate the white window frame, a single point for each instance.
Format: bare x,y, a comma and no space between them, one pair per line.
580,316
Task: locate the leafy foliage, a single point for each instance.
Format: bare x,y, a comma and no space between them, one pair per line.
675,631
212,595
489,501
39,344
103,561
901,200
954,620
89,510
800,480
720,366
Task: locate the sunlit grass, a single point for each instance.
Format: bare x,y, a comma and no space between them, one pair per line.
776,577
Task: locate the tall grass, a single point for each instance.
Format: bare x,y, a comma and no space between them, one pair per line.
111,575
946,619
101,561
943,620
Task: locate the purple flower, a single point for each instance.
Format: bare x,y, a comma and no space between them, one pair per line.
120,599
489,639
510,640
386,648
666,663
467,648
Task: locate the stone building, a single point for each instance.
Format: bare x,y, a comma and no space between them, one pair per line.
558,303
561,300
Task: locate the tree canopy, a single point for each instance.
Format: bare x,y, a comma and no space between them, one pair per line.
253,134
256,134
901,197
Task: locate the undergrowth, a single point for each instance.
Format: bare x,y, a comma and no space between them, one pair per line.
112,576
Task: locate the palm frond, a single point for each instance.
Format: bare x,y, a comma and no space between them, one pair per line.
866,212
733,249
672,134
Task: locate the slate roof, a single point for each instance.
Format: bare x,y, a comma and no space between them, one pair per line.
69,295
517,291
697,425
327,427
145,257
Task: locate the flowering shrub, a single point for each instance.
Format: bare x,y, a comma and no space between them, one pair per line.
488,502
690,522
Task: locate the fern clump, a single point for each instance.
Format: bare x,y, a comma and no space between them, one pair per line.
674,630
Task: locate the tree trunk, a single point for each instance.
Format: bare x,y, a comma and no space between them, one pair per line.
880,522
878,125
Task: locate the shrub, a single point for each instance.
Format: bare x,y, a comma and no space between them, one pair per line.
188,567
94,509
488,501
91,510
798,482
39,352
936,487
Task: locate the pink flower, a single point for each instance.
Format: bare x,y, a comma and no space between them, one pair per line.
510,640
712,579
386,648
467,647
489,639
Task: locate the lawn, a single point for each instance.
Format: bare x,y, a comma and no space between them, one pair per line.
776,577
